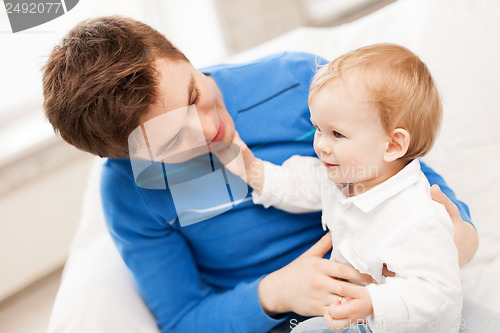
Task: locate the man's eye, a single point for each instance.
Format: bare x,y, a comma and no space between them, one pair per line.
337,134
172,144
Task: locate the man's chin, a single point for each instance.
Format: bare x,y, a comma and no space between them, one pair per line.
229,134
185,155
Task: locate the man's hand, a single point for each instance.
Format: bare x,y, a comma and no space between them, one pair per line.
308,285
466,238
346,312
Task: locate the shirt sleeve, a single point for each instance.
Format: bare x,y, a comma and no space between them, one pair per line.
426,290
165,270
294,187
435,178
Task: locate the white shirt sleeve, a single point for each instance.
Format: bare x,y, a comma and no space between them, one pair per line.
427,288
294,187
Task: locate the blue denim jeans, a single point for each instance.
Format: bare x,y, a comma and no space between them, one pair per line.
475,319
318,325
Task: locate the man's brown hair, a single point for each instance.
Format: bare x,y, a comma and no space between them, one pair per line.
100,80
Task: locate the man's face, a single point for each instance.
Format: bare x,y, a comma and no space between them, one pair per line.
188,115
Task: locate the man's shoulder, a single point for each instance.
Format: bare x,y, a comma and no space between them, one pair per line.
114,167
115,173
247,85
295,59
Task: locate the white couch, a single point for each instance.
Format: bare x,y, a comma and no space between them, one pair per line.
458,41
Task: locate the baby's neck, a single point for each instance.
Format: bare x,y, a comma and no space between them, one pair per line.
353,189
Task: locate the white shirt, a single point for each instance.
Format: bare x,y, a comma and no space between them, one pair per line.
395,223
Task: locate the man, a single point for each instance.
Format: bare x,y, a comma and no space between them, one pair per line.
243,270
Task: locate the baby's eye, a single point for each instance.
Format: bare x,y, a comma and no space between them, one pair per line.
337,134
317,128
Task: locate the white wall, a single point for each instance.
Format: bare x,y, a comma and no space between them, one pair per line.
37,223
38,216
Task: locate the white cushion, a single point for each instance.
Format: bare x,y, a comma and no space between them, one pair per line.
97,292
457,40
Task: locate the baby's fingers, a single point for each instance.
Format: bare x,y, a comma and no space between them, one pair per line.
346,310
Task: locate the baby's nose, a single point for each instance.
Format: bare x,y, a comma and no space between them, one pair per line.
323,146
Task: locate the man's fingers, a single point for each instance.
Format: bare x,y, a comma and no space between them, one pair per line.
346,289
346,272
321,247
438,196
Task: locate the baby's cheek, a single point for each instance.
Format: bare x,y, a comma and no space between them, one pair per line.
316,150
357,167
349,157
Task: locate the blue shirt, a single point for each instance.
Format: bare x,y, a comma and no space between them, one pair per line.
205,276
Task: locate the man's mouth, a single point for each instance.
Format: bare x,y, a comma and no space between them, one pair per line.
220,132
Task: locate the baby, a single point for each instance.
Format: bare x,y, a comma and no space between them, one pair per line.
375,110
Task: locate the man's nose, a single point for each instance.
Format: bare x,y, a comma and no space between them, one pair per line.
206,123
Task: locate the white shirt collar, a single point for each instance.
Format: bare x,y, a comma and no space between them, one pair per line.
370,199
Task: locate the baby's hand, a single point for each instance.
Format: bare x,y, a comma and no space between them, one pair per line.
347,312
251,170
227,153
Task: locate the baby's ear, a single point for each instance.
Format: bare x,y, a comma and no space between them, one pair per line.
397,145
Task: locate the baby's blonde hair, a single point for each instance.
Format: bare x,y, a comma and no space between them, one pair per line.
401,87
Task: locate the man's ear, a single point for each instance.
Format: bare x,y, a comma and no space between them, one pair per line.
397,145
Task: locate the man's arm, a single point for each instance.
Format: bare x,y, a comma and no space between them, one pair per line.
466,238
310,283
165,269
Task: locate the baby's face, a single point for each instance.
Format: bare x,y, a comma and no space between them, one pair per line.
349,139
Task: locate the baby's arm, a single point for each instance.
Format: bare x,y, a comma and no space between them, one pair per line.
251,171
294,187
